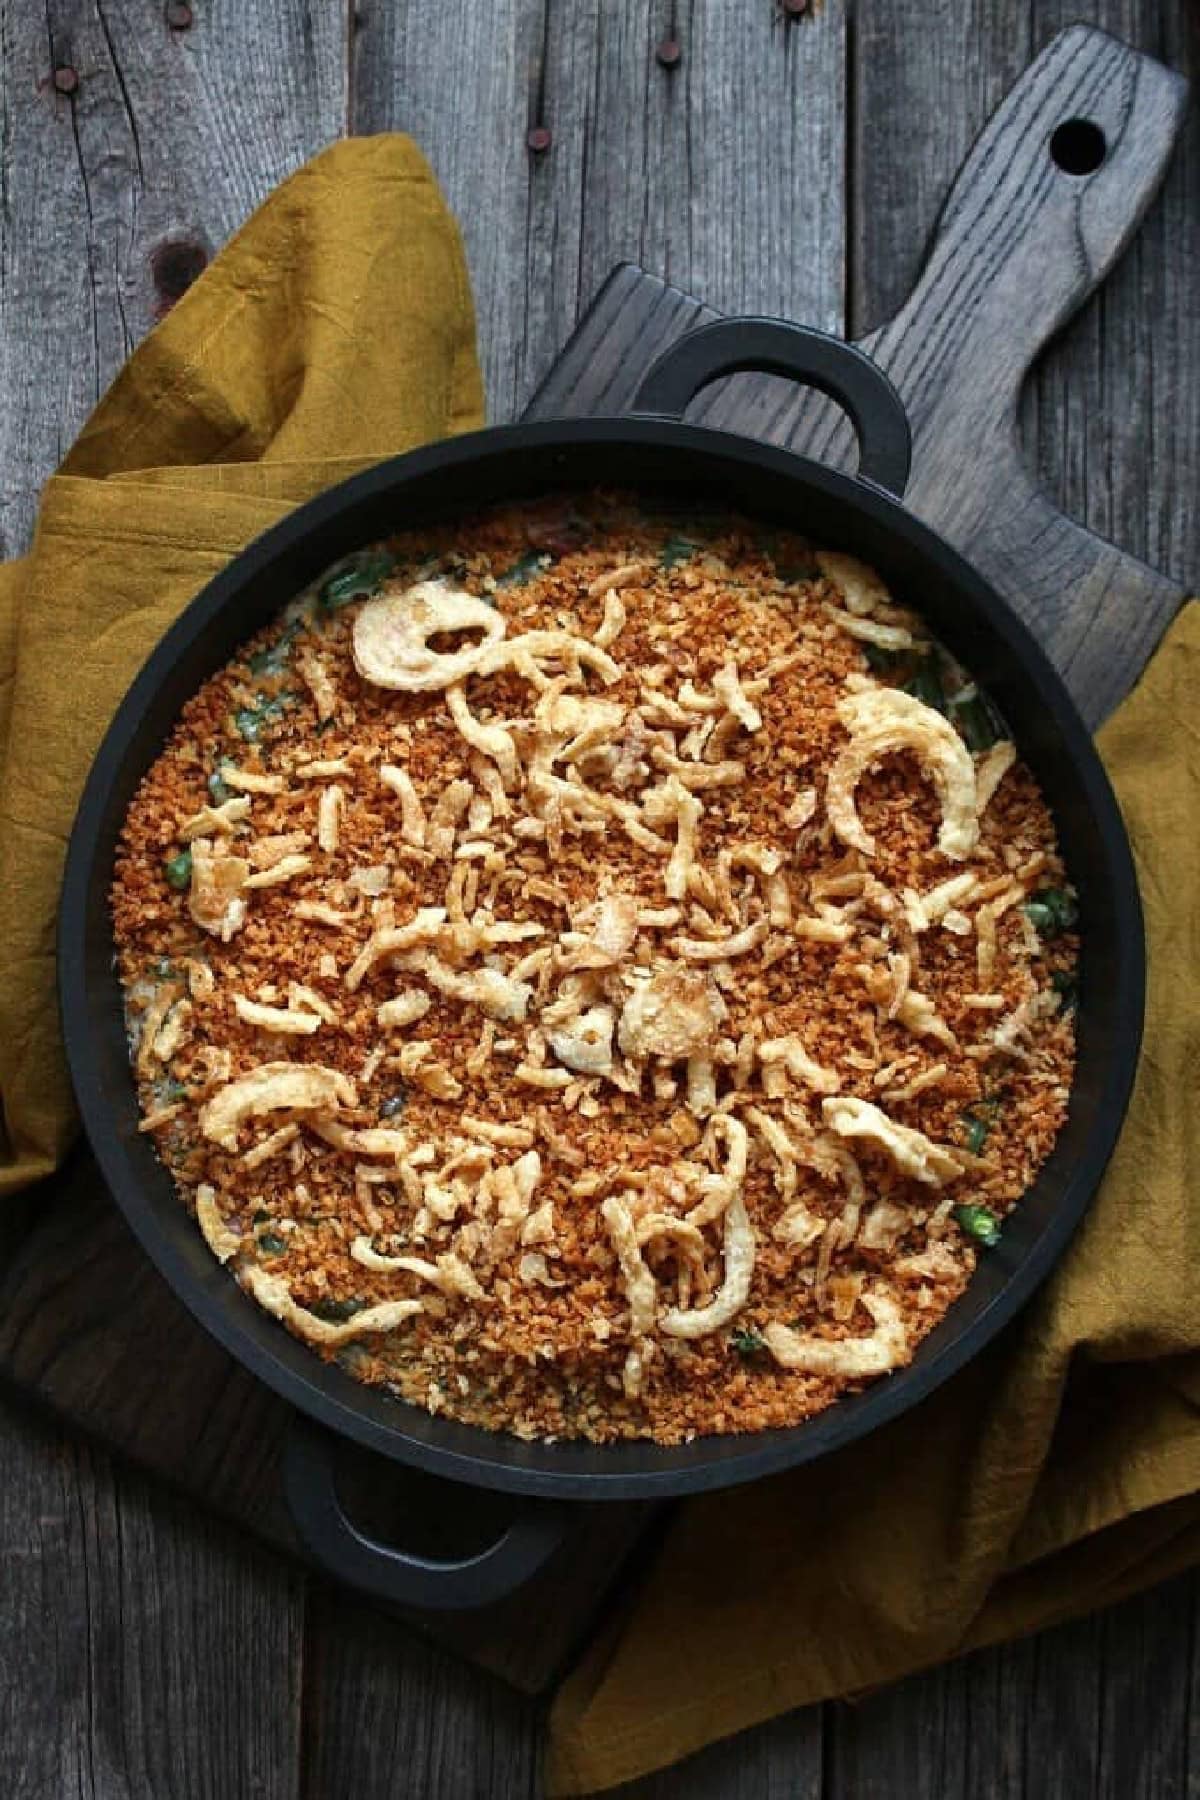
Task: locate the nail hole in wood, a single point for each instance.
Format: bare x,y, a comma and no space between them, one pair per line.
1078,147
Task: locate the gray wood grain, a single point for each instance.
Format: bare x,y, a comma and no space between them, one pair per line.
127,1625
781,1760
389,1718
127,1616
1099,1708
129,1632
169,138
725,173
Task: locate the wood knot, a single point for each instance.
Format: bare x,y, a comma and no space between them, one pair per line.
174,266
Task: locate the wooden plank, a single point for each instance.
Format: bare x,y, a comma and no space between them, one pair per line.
128,1634
386,1714
1112,420
113,195
781,1760
724,173
128,1620
1149,1718
463,81
1099,1707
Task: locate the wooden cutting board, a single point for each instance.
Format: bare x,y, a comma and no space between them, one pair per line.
1033,223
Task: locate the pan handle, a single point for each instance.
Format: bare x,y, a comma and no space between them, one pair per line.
399,1576
774,347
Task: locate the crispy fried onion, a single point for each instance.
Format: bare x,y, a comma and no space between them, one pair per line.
672,803
220,821
584,1042
391,637
788,1053
881,720
732,1294
491,990
990,771
675,1013
719,1188
870,631
413,823
727,686
425,927
489,738
860,1357
273,1087
221,1240
296,1021
700,950
912,1152
274,1295
448,1272
861,588
640,1288
216,897
611,925
916,1012
367,1140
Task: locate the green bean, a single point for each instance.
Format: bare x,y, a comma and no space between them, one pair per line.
979,1222
925,684
356,578
1066,983
974,720
273,660
977,1131
523,570
178,870
249,720
335,1312
1051,911
676,550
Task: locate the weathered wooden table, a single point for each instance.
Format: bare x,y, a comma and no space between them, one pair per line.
767,159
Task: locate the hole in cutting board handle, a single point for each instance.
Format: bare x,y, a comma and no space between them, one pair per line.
1078,146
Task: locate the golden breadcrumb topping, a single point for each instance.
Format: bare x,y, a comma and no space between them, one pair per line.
597,973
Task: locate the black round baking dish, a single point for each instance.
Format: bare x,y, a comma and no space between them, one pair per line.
653,450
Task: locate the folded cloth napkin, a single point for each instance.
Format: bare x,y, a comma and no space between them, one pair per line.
1059,1470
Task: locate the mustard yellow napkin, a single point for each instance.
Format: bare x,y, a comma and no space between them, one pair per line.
1056,1473
335,329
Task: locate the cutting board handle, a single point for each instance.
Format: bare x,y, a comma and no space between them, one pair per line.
1045,203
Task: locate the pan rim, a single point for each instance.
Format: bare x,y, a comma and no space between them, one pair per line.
499,1461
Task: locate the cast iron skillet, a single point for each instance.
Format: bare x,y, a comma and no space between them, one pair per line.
648,449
